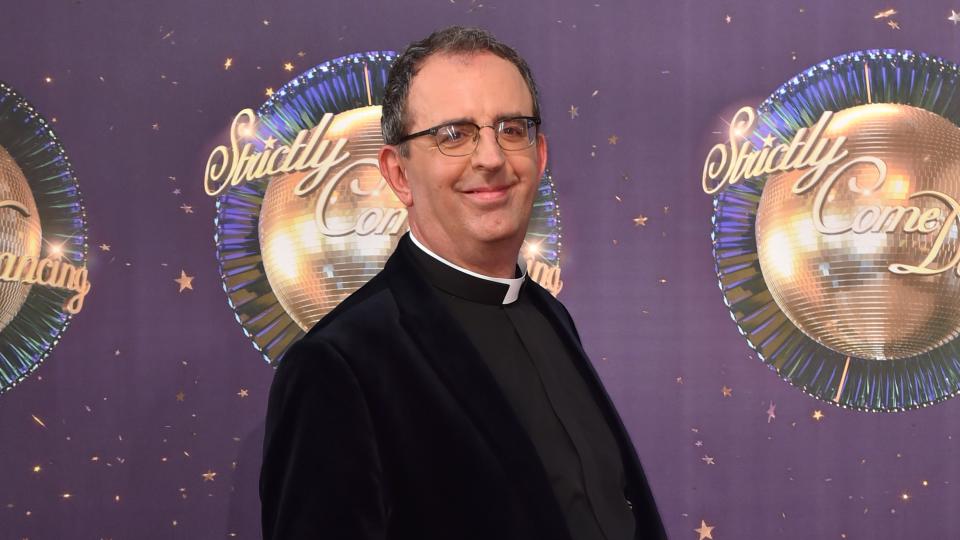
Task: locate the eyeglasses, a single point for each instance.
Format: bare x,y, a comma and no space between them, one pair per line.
462,138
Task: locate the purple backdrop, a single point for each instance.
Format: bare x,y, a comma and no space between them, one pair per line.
144,398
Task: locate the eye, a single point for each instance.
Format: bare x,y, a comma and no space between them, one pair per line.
513,128
455,134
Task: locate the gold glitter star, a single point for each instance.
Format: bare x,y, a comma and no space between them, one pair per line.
893,24
269,143
728,19
187,209
705,531
185,281
727,391
640,220
573,112
769,140
36,468
243,393
104,247
266,22
708,460
48,79
679,380
38,421
613,139
885,13
268,92
288,66
771,412
817,415
155,126
208,476
181,396
228,63
176,191
954,17
301,54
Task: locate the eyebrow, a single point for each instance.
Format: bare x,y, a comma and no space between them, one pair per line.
472,120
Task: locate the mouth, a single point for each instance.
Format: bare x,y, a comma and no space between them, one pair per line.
486,194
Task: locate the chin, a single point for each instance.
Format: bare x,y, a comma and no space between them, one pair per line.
499,234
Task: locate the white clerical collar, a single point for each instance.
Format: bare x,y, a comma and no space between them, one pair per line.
513,284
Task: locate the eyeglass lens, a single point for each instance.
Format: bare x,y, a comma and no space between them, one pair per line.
462,138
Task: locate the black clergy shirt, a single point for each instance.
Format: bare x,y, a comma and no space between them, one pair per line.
536,372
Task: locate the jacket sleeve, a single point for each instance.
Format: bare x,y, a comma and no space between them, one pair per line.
321,475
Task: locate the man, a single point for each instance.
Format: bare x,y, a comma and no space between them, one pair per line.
450,398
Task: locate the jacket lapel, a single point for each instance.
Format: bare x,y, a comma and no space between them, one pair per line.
459,365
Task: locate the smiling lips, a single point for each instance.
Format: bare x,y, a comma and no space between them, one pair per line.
488,193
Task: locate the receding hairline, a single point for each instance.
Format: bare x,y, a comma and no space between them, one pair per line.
467,56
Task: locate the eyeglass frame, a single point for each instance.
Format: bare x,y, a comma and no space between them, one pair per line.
496,133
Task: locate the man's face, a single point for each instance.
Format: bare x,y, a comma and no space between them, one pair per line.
483,198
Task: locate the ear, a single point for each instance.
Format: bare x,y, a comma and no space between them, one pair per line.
393,171
541,154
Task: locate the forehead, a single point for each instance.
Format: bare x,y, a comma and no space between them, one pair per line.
476,86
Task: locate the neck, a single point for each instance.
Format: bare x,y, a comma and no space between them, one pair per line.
493,259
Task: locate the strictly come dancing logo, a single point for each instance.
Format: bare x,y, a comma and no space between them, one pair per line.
43,274
835,229
304,217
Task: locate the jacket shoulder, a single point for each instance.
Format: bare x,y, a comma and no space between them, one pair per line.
370,307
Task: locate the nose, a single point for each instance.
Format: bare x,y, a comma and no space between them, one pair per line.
488,154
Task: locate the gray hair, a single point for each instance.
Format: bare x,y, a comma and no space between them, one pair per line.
450,40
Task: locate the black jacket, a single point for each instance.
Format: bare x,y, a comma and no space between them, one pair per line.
384,423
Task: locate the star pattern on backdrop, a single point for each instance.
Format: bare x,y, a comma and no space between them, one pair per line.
954,17
705,531
185,281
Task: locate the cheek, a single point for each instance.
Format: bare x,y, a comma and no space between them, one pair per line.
435,182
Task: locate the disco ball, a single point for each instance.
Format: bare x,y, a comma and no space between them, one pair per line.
838,287
19,234
320,247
